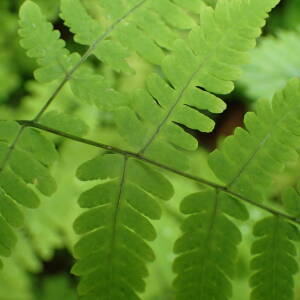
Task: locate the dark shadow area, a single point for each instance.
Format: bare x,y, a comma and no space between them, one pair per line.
56,270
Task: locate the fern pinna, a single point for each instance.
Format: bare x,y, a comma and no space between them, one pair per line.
195,52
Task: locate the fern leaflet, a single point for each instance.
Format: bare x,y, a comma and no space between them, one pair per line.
274,261
26,170
137,26
112,252
262,149
274,252
210,60
43,43
208,246
276,124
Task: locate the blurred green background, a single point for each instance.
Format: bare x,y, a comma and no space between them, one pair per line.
40,265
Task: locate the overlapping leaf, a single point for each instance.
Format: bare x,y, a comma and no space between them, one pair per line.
209,59
142,26
56,62
135,26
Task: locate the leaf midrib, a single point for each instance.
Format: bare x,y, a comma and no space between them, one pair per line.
209,238
208,241
275,260
260,145
181,94
115,222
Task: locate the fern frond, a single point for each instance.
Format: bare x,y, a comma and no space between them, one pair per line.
137,26
44,44
87,30
207,250
273,63
55,61
210,59
191,65
259,152
115,228
25,154
112,252
274,260
142,26
27,168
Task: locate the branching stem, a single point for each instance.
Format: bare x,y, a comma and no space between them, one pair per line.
67,77
85,56
126,153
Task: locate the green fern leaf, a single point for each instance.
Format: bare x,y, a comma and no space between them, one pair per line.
43,43
8,238
259,152
274,261
87,30
141,26
27,160
207,250
115,229
27,168
10,211
112,252
39,146
136,26
55,61
209,59
197,65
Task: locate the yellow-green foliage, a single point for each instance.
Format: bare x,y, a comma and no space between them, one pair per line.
195,52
